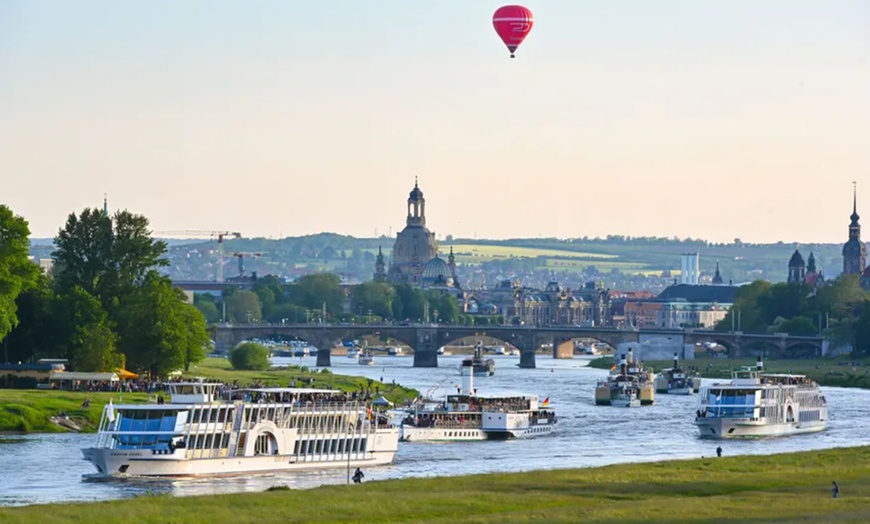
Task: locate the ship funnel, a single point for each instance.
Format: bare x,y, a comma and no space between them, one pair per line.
622,364
467,377
630,356
759,364
676,361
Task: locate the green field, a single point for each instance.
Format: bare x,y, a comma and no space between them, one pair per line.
483,253
776,488
825,371
30,410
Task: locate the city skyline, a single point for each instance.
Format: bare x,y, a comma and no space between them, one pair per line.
714,121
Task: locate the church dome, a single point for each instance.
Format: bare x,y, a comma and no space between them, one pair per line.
436,269
796,260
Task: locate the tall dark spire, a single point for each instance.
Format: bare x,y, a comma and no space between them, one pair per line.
380,267
854,250
717,278
105,205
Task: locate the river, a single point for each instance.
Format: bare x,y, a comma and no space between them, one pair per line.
46,468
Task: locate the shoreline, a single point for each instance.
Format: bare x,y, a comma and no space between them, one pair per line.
790,487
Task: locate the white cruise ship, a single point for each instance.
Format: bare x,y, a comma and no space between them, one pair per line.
198,433
756,404
468,416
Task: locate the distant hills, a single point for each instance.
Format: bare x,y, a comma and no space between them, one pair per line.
617,262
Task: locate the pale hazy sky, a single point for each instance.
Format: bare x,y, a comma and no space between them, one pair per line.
712,119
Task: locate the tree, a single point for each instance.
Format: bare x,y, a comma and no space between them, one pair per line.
17,272
206,305
409,303
250,356
861,341
243,307
36,334
160,332
84,331
106,256
800,326
374,297
312,291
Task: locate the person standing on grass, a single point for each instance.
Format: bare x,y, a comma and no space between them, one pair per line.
719,451
835,491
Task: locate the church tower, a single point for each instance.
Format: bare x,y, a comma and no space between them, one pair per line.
380,267
717,278
797,270
854,250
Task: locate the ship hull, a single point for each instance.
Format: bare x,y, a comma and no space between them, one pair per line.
414,434
111,462
724,428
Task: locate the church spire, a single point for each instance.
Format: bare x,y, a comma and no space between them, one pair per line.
380,267
717,278
105,205
854,216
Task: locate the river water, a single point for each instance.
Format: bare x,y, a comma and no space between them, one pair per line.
49,468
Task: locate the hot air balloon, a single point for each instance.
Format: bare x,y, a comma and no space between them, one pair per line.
512,23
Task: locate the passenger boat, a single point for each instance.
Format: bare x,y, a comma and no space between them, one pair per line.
469,416
366,358
757,404
207,429
677,380
395,351
353,352
483,366
628,385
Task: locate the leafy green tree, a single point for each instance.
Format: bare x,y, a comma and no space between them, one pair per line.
861,340
746,302
106,256
243,306
36,334
161,332
285,312
312,291
85,334
800,326
250,356
17,272
409,303
206,305
374,297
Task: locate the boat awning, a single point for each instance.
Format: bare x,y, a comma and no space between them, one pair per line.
99,377
381,401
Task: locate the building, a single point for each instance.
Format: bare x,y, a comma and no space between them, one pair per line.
854,250
690,269
554,305
415,259
797,269
702,306
717,277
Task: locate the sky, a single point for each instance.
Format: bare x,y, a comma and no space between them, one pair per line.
715,119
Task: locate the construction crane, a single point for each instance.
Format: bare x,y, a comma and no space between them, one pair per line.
241,256
220,235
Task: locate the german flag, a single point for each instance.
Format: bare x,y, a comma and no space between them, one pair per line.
546,402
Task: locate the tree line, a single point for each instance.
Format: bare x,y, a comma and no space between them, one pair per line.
840,310
103,305
306,299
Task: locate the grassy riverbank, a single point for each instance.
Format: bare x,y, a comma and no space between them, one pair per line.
30,410
825,371
778,488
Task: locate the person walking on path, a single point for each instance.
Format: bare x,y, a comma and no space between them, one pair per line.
835,491
719,451
358,476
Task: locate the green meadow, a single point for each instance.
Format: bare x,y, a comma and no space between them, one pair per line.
776,488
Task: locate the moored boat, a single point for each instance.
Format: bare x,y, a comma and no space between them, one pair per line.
677,380
207,429
366,358
628,385
757,404
469,416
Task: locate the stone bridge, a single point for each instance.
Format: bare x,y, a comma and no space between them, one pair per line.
425,339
